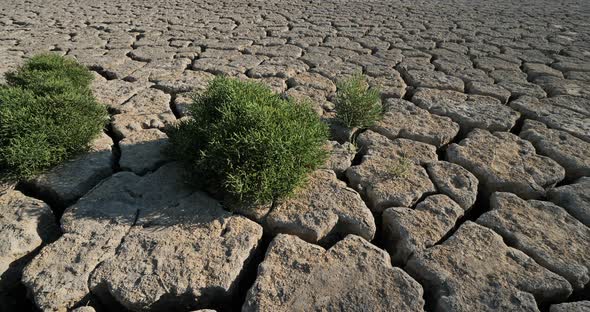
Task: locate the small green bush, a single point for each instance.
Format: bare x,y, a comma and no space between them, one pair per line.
248,142
51,73
357,105
47,115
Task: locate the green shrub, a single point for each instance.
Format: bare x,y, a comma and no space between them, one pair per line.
46,116
51,73
357,105
248,142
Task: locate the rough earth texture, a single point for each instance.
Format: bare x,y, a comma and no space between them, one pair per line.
407,231
324,207
128,236
482,96
64,184
575,198
320,279
455,181
504,162
25,224
545,232
170,258
570,152
402,119
581,306
475,261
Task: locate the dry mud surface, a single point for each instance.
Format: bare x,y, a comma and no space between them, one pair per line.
471,194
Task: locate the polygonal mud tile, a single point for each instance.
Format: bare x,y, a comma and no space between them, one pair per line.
545,232
555,116
65,183
475,271
324,207
158,209
454,181
469,111
402,119
504,162
26,224
575,198
407,231
296,275
570,152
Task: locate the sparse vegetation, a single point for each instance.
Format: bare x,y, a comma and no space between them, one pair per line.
47,115
248,142
357,104
401,168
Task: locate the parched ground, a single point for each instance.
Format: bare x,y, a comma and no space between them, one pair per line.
471,194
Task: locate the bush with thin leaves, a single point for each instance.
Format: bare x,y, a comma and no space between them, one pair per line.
248,142
47,115
47,74
357,105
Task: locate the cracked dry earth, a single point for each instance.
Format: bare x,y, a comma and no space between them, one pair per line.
471,194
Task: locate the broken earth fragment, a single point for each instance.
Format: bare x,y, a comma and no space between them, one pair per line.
575,198
187,255
402,119
341,156
569,151
389,182
373,144
320,279
143,151
545,232
469,111
390,173
324,207
554,116
132,225
475,261
407,231
504,162
454,181
580,306
65,183
25,224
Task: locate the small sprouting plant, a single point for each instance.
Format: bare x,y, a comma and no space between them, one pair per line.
401,168
357,105
248,142
47,115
